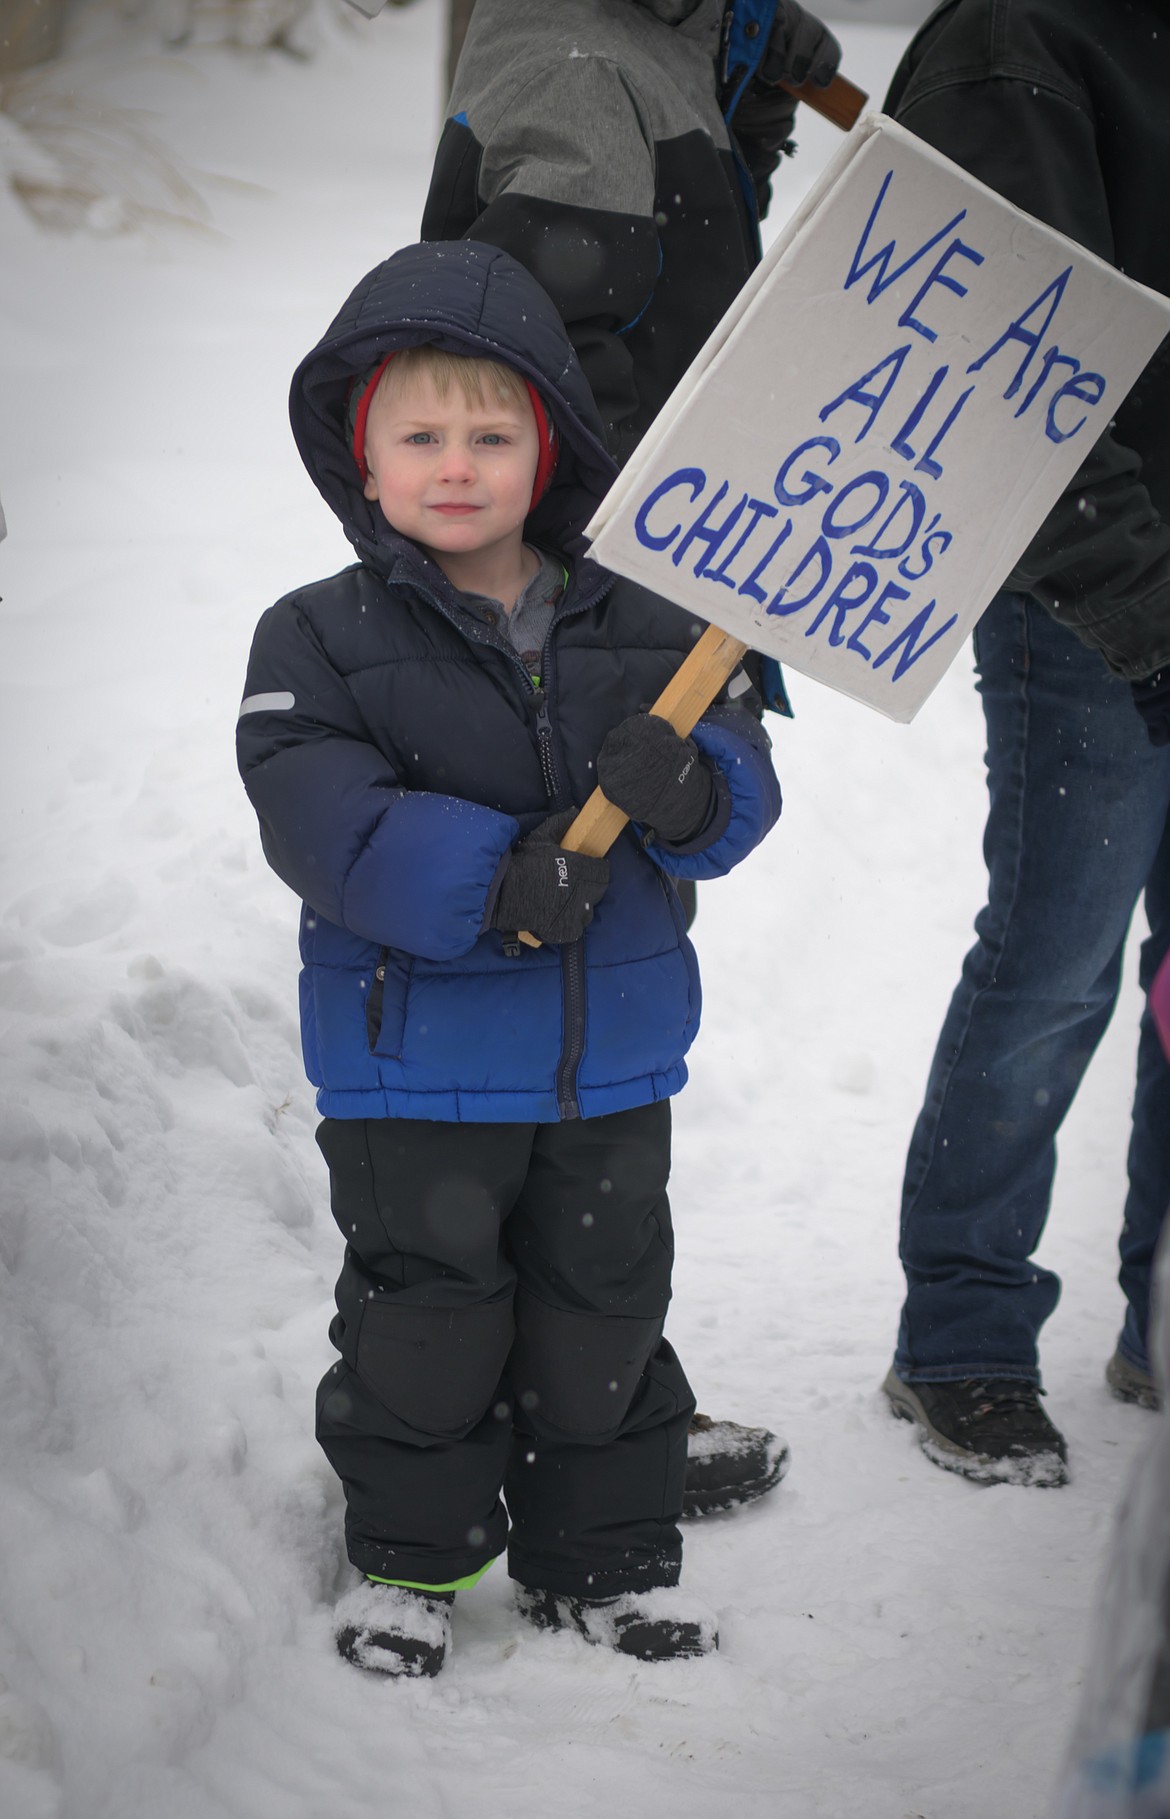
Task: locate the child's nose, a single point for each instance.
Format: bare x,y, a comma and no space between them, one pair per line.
456,463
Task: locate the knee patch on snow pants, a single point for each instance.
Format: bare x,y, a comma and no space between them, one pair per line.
435,1368
576,1373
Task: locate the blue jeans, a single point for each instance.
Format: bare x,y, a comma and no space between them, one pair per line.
1079,824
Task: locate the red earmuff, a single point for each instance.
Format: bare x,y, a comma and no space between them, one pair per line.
363,411
546,462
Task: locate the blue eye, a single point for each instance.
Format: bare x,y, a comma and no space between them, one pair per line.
493,440
420,436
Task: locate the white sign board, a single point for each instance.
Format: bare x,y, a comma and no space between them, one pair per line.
875,431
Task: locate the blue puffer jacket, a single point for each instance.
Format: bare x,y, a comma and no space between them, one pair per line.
395,748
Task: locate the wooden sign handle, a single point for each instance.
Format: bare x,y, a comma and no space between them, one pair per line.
840,101
685,699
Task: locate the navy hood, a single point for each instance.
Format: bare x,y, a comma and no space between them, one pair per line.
467,299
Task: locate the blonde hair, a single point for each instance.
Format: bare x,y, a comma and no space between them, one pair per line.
475,377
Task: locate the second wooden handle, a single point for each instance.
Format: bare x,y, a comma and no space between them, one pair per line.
840,101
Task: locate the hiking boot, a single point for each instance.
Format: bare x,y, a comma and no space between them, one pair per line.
991,1429
1129,1383
728,1465
394,1629
656,1625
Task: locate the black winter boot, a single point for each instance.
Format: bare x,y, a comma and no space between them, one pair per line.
1129,1383
656,1625
729,1465
393,1629
991,1429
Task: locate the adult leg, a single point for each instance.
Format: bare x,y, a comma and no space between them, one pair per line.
1078,807
595,1482
415,1418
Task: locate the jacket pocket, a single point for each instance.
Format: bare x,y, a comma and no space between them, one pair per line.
386,1005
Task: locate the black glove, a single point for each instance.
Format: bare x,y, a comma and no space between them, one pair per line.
547,891
656,778
762,124
800,49
1151,697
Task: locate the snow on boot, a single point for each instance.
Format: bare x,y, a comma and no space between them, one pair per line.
656,1625
393,1629
729,1465
991,1429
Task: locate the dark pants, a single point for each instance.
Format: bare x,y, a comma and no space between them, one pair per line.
1079,826
500,1316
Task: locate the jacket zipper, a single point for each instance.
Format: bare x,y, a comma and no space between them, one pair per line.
374,1000
743,175
573,952
573,998
544,748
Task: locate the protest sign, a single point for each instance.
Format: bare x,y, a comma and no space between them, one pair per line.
873,434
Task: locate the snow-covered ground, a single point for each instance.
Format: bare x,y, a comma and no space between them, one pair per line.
896,1643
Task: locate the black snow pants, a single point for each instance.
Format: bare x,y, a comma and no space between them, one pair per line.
500,1315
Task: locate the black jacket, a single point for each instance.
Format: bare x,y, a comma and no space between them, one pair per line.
1063,107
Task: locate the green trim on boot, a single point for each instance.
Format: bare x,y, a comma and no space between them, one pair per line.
452,1585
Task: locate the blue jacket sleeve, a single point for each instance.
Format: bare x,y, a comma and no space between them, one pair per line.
406,868
739,751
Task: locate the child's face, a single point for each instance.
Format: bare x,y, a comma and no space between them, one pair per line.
455,476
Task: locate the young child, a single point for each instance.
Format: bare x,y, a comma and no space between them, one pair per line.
414,736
